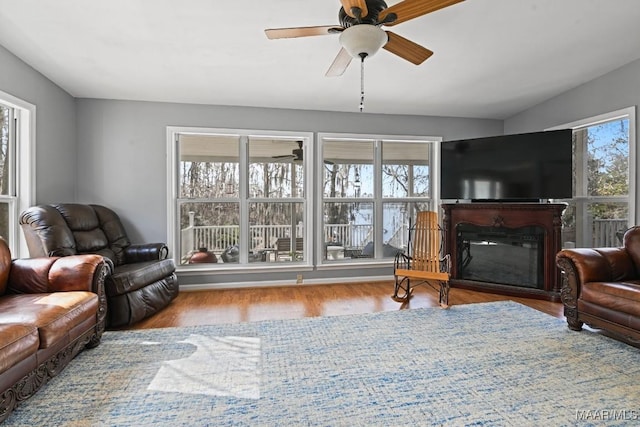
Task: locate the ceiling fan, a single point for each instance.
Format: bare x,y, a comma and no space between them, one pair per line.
361,34
297,155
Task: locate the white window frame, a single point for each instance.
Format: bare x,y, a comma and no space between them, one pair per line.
24,193
624,113
173,165
434,201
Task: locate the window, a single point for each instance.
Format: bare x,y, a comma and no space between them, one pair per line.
247,196
371,187
603,183
16,167
242,196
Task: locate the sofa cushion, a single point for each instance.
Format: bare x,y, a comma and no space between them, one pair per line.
90,241
130,277
17,342
78,217
620,296
95,229
54,314
114,230
85,227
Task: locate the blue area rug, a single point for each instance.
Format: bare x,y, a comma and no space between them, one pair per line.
494,364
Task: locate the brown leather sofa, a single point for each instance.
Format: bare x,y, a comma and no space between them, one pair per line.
142,279
50,310
601,287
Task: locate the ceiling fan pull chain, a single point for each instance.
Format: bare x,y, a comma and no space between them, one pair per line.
361,83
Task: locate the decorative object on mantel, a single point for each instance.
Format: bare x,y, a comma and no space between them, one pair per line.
361,35
498,221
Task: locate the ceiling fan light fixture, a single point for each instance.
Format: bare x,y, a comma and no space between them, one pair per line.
363,40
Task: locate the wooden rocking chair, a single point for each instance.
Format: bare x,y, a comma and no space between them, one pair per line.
423,262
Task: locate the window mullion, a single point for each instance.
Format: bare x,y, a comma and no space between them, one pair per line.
378,207
581,163
11,152
243,194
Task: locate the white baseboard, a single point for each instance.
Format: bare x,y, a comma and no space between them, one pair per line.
279,283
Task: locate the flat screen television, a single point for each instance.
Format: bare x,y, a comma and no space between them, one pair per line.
523,167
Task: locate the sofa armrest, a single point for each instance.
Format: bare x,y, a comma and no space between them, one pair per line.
57,274
145,252
598,264
586,265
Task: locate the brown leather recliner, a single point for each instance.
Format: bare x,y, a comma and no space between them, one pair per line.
601,287
142,279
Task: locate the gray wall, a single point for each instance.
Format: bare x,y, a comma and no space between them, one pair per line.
122,153
614,91
55,127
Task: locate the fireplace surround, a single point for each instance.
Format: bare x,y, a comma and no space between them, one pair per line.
505,248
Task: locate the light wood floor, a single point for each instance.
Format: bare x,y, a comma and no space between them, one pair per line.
253,304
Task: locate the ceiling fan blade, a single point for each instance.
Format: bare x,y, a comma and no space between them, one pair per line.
340,64
407,49
287,33
409,9
349,6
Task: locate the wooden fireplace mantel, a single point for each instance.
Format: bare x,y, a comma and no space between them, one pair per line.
548,216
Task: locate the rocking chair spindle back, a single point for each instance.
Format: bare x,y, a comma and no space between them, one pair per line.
423,262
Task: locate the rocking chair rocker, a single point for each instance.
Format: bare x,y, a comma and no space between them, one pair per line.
423,262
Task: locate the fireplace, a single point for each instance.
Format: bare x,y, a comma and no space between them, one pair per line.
505,248
501,255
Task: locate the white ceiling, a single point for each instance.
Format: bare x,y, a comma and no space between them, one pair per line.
493,58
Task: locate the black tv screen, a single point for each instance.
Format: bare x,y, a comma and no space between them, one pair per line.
521,167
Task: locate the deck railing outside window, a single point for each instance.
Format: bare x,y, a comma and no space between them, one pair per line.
604,233
219,238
